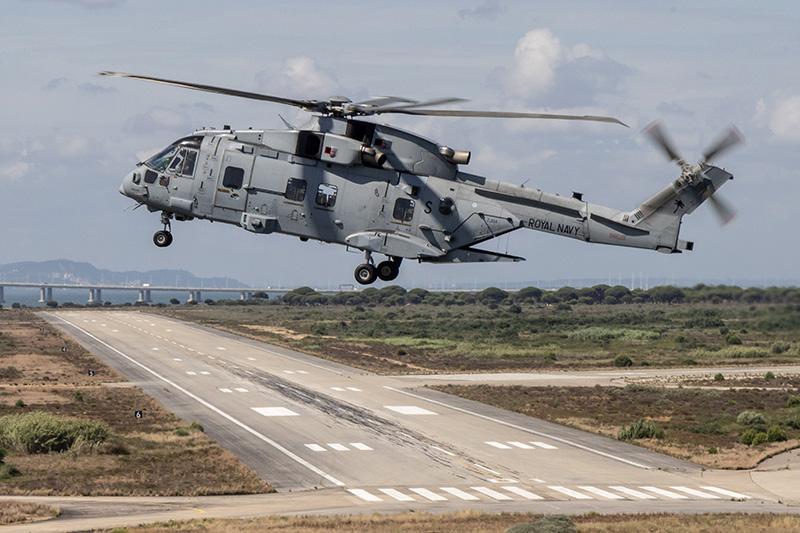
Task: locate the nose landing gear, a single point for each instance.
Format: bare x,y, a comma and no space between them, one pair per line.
163,238
367,273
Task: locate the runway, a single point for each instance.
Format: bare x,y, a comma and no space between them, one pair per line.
380,443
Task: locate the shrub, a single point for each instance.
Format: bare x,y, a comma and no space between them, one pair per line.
548,524
8,471
779,347
641,429
10,372
793,401
753,437
733,339
769,376
174,301
182,432
719,377
623,361
751,418
776,434
20,403
40,432
78,396
792,421
196,426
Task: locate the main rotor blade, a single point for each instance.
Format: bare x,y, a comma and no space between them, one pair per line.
499,114
655,130
731,138
722,209
414,105
305,104
384,101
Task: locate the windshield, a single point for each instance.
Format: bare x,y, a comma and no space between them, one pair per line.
160,161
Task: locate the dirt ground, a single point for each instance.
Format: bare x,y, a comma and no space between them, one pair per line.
699,425
467,522
158,454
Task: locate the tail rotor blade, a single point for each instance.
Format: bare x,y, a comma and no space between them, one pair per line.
656,132
731,138
723,210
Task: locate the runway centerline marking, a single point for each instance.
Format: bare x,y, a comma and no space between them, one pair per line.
409,410
274,411
213,408
521,428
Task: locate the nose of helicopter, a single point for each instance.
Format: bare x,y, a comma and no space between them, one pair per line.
126,187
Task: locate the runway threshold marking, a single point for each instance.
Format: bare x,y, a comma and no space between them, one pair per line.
409,410
296,458
521,428
726,492
274,411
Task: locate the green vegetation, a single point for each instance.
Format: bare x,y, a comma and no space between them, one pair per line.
395,330
641,429
40,432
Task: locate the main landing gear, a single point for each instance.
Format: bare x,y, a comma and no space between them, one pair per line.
367,273
163,238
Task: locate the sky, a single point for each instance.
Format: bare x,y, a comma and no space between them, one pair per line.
70,136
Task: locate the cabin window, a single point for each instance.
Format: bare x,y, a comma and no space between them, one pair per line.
326,195
188,164
296,190
177,161
233,178
403,210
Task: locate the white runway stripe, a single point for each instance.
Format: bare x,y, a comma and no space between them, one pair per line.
698,493
432,496
544,445
205,372
189,372
316,448
667,493
337,389
409,410
492,493
225,390
633,493
601,492
274,411
338,447
458,493
397,495
360,446
177,359
726,492
498,445
569,492
240,389
522,492
302,372
364,495
518,444
354,389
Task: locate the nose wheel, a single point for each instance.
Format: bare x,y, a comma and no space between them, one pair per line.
163,238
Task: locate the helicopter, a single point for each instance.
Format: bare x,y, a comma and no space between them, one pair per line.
382,190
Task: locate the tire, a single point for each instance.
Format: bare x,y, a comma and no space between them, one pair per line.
388,270
162,238
365,274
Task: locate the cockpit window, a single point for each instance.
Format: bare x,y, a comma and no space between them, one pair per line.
160,161
188,163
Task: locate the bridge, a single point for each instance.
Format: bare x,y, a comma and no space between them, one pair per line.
95,291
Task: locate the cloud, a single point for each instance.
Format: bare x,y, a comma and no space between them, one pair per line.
96,89
54,84
15,171
488,10
546,72
92,4
784,120
300,77
674,108
71,147
159,119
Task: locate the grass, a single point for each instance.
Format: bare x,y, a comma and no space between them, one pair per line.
476,337
71,434
470,521
719,428
12,512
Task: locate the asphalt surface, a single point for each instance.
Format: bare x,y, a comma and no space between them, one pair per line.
344,440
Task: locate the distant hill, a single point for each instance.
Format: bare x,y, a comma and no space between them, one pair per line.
66,271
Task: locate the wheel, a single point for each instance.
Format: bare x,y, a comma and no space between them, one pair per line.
388,270
162,238
365,274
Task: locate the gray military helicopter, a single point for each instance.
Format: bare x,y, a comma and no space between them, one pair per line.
384,190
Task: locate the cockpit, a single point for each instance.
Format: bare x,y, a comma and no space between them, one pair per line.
179,157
